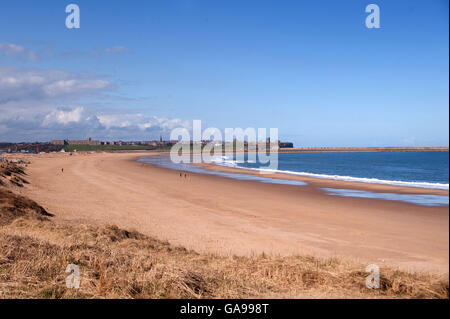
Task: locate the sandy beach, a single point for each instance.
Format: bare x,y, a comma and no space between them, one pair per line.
225,216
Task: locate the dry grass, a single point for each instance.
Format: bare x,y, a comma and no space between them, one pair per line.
13,206
115,263
12,175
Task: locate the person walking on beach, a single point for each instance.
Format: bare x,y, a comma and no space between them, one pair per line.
62,170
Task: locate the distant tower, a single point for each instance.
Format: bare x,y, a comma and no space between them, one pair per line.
160,138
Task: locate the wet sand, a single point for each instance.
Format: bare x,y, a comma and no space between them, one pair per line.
325,183
219,215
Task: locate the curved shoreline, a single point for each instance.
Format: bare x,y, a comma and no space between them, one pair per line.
359,183
242,174
208,213
425,185
328,182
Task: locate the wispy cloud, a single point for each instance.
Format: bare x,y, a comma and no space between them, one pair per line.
98,52
37,84
21,53
18,52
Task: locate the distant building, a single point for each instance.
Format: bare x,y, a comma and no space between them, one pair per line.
58,142
88,141
285,144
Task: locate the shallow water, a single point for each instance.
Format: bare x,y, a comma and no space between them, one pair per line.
164,161
418,199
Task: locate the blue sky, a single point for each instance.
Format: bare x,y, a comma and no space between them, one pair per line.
137,69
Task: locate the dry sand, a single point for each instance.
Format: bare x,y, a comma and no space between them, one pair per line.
225,216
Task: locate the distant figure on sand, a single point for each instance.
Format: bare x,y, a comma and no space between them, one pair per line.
62,170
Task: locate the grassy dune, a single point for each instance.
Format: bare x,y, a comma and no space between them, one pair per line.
116,263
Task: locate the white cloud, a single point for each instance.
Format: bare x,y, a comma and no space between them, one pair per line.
63,117
34,106
50,122
35,84
17,52
73,86
140,122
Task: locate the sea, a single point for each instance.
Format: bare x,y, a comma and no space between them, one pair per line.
410,169
415,169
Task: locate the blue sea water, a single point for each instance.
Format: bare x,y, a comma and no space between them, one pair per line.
411,169
420,169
